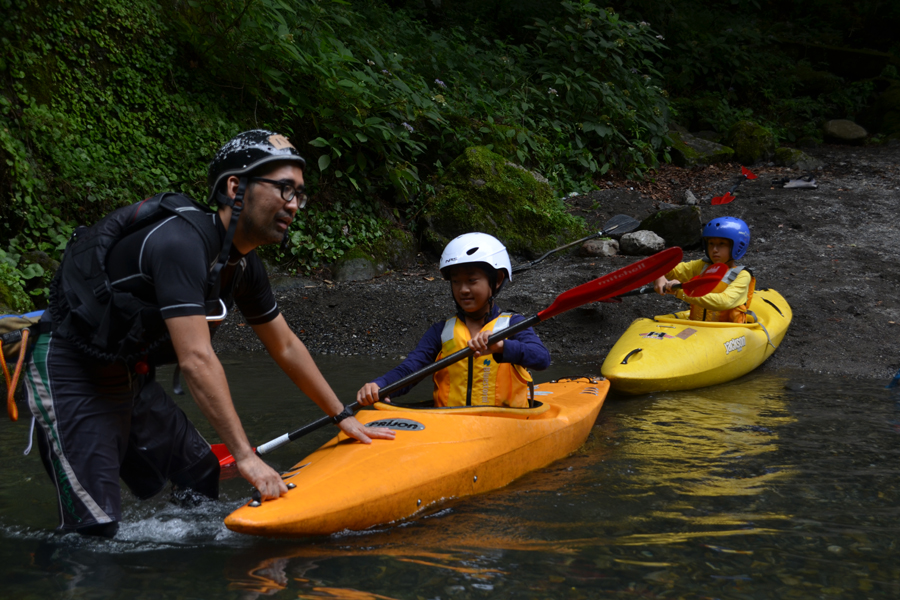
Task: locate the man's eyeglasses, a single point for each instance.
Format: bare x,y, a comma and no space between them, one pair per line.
288,191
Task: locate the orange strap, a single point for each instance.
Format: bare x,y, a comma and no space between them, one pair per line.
3,362
12,382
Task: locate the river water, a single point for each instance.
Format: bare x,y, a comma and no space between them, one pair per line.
772,486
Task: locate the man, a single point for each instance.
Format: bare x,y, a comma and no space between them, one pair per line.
139,285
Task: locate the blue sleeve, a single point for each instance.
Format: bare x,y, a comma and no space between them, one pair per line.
524,348
426,352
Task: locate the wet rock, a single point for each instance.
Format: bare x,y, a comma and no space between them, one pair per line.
678,227
355,269
599,248
690,151
797,159
482,190
708,135
641,243
751,142
396,250
844,131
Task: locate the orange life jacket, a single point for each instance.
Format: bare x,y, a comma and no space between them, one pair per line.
478,381
734,315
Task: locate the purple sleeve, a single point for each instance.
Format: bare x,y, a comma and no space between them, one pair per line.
524,348
426,352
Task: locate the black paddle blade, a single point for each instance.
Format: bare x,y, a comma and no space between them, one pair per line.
620,224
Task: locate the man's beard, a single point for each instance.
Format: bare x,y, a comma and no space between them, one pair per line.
261,234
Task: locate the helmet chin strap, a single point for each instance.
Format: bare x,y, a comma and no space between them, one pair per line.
236,204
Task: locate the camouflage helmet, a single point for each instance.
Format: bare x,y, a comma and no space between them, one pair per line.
246,152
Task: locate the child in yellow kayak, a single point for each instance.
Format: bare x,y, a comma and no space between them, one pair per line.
477,266
725,240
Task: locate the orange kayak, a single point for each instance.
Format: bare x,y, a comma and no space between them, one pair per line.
438,454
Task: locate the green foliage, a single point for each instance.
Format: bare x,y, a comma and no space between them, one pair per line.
483,191
12,292
382,106
105,102
733,60
321,235
94,115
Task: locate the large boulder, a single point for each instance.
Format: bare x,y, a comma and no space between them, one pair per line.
358,268
604,248
844,131
395,250
797,159
679,226
689,150
751,142
641,243
482,191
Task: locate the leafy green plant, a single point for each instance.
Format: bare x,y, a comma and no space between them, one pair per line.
12,285
321,235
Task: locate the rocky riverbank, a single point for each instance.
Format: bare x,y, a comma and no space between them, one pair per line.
830,251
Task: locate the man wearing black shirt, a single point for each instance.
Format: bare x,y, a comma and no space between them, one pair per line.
91,380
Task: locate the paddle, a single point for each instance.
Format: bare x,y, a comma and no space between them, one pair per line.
746,174
695,287
614,283
618,224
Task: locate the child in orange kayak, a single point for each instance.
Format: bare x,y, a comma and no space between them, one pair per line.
725,240
477,266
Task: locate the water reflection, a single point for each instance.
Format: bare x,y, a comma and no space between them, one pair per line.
707,442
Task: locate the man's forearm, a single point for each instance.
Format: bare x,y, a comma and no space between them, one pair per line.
206,380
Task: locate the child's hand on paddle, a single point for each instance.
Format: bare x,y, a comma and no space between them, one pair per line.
664,286
368,394
480,346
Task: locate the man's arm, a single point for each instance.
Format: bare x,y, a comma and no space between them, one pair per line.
206,379
295,360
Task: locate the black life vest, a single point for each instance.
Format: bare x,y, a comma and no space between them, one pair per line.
110,324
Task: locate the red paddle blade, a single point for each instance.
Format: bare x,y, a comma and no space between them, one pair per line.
747,173
728,197
706,282
615,283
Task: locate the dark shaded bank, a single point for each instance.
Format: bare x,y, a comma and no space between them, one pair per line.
830,251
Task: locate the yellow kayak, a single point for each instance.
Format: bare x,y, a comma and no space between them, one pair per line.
438,454
671,352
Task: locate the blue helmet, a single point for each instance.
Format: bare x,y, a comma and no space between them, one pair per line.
730,228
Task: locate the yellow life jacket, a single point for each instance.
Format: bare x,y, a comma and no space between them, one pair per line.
734,315
482,381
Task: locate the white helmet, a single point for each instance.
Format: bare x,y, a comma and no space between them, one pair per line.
476,248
